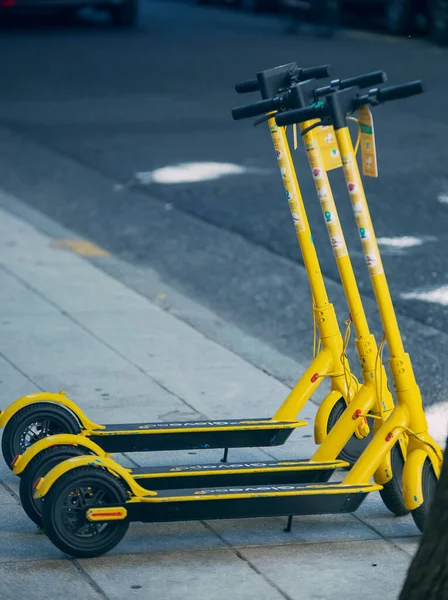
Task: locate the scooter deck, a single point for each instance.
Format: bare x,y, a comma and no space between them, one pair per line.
190,435
231,474
241,502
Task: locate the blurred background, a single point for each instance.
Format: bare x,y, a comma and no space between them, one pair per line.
115,121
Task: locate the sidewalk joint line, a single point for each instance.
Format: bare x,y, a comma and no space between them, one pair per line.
93,584
250,564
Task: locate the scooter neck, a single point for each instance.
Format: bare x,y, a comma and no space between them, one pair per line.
297,208
369,242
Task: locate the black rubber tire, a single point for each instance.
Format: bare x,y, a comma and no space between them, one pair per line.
39,467
392,492
355,446
125,15
86,480
438,21
60,420
429,484
400,17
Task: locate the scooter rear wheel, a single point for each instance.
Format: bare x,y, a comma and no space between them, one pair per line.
32,423
65,506
429,484
38,467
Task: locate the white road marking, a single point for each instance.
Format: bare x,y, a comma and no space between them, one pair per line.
438,295
437,416
192,173
406,241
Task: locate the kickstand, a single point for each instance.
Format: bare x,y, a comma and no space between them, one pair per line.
224,458
289,524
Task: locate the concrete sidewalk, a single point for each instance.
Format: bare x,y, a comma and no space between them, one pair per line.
65,324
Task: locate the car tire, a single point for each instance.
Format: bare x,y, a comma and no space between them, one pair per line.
400,17
438,21
125,15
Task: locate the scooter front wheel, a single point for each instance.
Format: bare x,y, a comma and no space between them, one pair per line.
38,467
65,506
355,446
32,423
429,484
392,492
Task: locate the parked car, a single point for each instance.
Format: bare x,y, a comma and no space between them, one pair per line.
401,17
124,13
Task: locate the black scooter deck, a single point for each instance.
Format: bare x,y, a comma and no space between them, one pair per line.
191,435
245,502
231,474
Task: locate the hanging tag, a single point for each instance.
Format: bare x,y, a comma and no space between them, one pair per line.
326,139
368,150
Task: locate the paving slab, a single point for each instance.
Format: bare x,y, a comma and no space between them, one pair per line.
49,579
217,574
345,570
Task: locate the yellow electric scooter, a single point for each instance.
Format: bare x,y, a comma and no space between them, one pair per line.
89,502
44,454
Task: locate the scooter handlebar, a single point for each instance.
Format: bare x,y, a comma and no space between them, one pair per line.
299,115
316,72
254,110
398,92
244,87
364,81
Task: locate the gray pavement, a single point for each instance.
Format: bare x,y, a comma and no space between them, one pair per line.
84,108
66,323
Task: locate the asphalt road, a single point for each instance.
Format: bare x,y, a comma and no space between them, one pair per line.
84,109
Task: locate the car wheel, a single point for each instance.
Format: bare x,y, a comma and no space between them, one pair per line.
438,21
400,16
125,15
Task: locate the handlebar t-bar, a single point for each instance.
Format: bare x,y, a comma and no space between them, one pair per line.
299,115
360,81
364,81
257,108
315,72
398,92
244,87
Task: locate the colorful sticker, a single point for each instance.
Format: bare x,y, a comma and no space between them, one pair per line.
278,154
364,233
352,187
371,260
328,216
288,195
295,218
317,173
368,150
336,241
323,192
357,208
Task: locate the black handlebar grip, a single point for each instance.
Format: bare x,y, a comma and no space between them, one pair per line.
244,87
254,110
364,81
316,72
398,92
299,115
